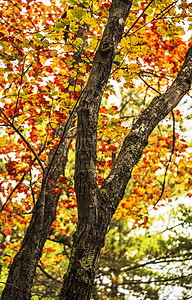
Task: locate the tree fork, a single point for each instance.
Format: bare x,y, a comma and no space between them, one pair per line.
94,209
86,249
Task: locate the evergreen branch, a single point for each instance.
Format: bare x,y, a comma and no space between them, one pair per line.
155,281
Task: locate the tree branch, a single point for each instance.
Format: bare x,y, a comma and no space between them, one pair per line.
24,139
17,185
88,109
157,17
9,197
114,185
148,85
170,158
49,276
155,281
126,34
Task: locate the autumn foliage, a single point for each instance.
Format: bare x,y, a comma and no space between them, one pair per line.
46,53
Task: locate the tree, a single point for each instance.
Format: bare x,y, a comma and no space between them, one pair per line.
138,197
145,262
31,91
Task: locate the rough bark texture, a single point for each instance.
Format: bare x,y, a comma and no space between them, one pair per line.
94,212
135,142
96,206
24,265
23,268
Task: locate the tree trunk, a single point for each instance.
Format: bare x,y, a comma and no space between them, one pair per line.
96,206
95,210
22,270
88,241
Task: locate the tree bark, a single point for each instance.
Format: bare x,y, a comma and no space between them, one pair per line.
114,185
97,206
22,270
94,212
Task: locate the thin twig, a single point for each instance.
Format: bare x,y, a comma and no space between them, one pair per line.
155,281
22,178
173,147
22,75
23,138
170,158
47,274
19,91
7,23
32,190
14,4
150,74
154,19
83,53
9,197
6,283
148,85
126,34
63,135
